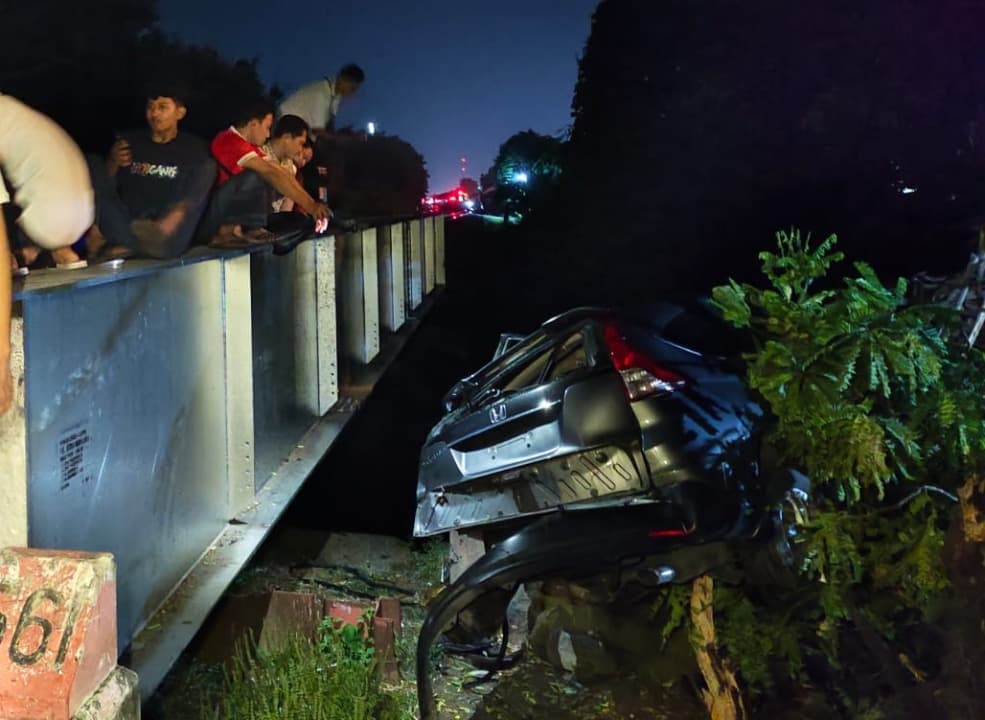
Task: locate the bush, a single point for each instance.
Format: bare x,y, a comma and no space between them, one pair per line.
871,402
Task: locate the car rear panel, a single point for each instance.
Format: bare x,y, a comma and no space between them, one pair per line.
559,444
582,443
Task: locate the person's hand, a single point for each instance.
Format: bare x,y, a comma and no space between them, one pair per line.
6,387
321,211
321,226
120,154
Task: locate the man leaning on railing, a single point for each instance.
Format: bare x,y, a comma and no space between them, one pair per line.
241,209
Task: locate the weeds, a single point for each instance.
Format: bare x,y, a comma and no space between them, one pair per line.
333,678
429,561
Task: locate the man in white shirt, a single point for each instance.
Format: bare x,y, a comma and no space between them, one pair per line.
48,179
317,103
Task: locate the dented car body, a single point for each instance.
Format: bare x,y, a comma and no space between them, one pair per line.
565,419
602,440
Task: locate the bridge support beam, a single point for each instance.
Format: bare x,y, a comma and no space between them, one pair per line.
393,289
238,341
167,412
317,337
429,265
361,301
439,251
415,264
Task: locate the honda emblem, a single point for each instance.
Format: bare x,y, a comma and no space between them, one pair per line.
498,413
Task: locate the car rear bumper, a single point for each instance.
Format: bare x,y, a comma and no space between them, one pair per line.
601,475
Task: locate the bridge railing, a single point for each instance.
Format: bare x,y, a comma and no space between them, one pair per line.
168,411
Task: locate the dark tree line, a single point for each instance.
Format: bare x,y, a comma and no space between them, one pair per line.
375,176
75,61
539,159
88,65
703,127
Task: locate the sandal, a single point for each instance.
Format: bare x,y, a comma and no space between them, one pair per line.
238,241
74,265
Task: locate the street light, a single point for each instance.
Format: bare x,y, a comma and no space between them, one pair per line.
521,177
371,128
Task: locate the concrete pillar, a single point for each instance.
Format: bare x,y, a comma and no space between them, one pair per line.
439,250
393,290
361,303
415,264
317,336
13,447
464,549
429,268
57,631
238,335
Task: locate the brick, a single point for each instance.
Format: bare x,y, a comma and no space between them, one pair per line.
288,615
57,631
390,608
384,645
346,613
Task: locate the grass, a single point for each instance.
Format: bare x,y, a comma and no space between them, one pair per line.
429,560
334,678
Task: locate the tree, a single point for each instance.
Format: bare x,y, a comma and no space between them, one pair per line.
885,417
74,61
381,175
86,65
216,87
698,116
526,171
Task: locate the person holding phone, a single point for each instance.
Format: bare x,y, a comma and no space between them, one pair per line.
152,188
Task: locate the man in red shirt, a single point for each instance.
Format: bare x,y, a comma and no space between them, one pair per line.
249,182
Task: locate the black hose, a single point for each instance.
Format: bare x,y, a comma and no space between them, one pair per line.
501,656
358,574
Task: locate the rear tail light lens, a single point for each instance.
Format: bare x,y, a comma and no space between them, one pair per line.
641,374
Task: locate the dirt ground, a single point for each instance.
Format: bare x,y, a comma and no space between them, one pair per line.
353,566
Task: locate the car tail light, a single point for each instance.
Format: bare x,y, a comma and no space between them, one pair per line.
668,533
641,374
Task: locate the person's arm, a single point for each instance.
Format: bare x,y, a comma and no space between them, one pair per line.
6,300
120,155
289,187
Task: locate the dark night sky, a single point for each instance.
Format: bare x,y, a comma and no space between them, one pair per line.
452,78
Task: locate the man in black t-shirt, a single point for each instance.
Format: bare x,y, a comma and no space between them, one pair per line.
152,189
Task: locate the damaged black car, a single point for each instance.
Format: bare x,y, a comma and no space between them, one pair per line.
605,441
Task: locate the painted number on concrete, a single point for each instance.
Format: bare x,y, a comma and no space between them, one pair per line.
72,455
31,636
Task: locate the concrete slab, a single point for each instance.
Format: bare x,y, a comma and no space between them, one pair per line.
118,698
374,554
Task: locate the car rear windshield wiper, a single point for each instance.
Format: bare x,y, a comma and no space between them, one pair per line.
488,394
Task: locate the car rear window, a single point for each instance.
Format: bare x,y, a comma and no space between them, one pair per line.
569,357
